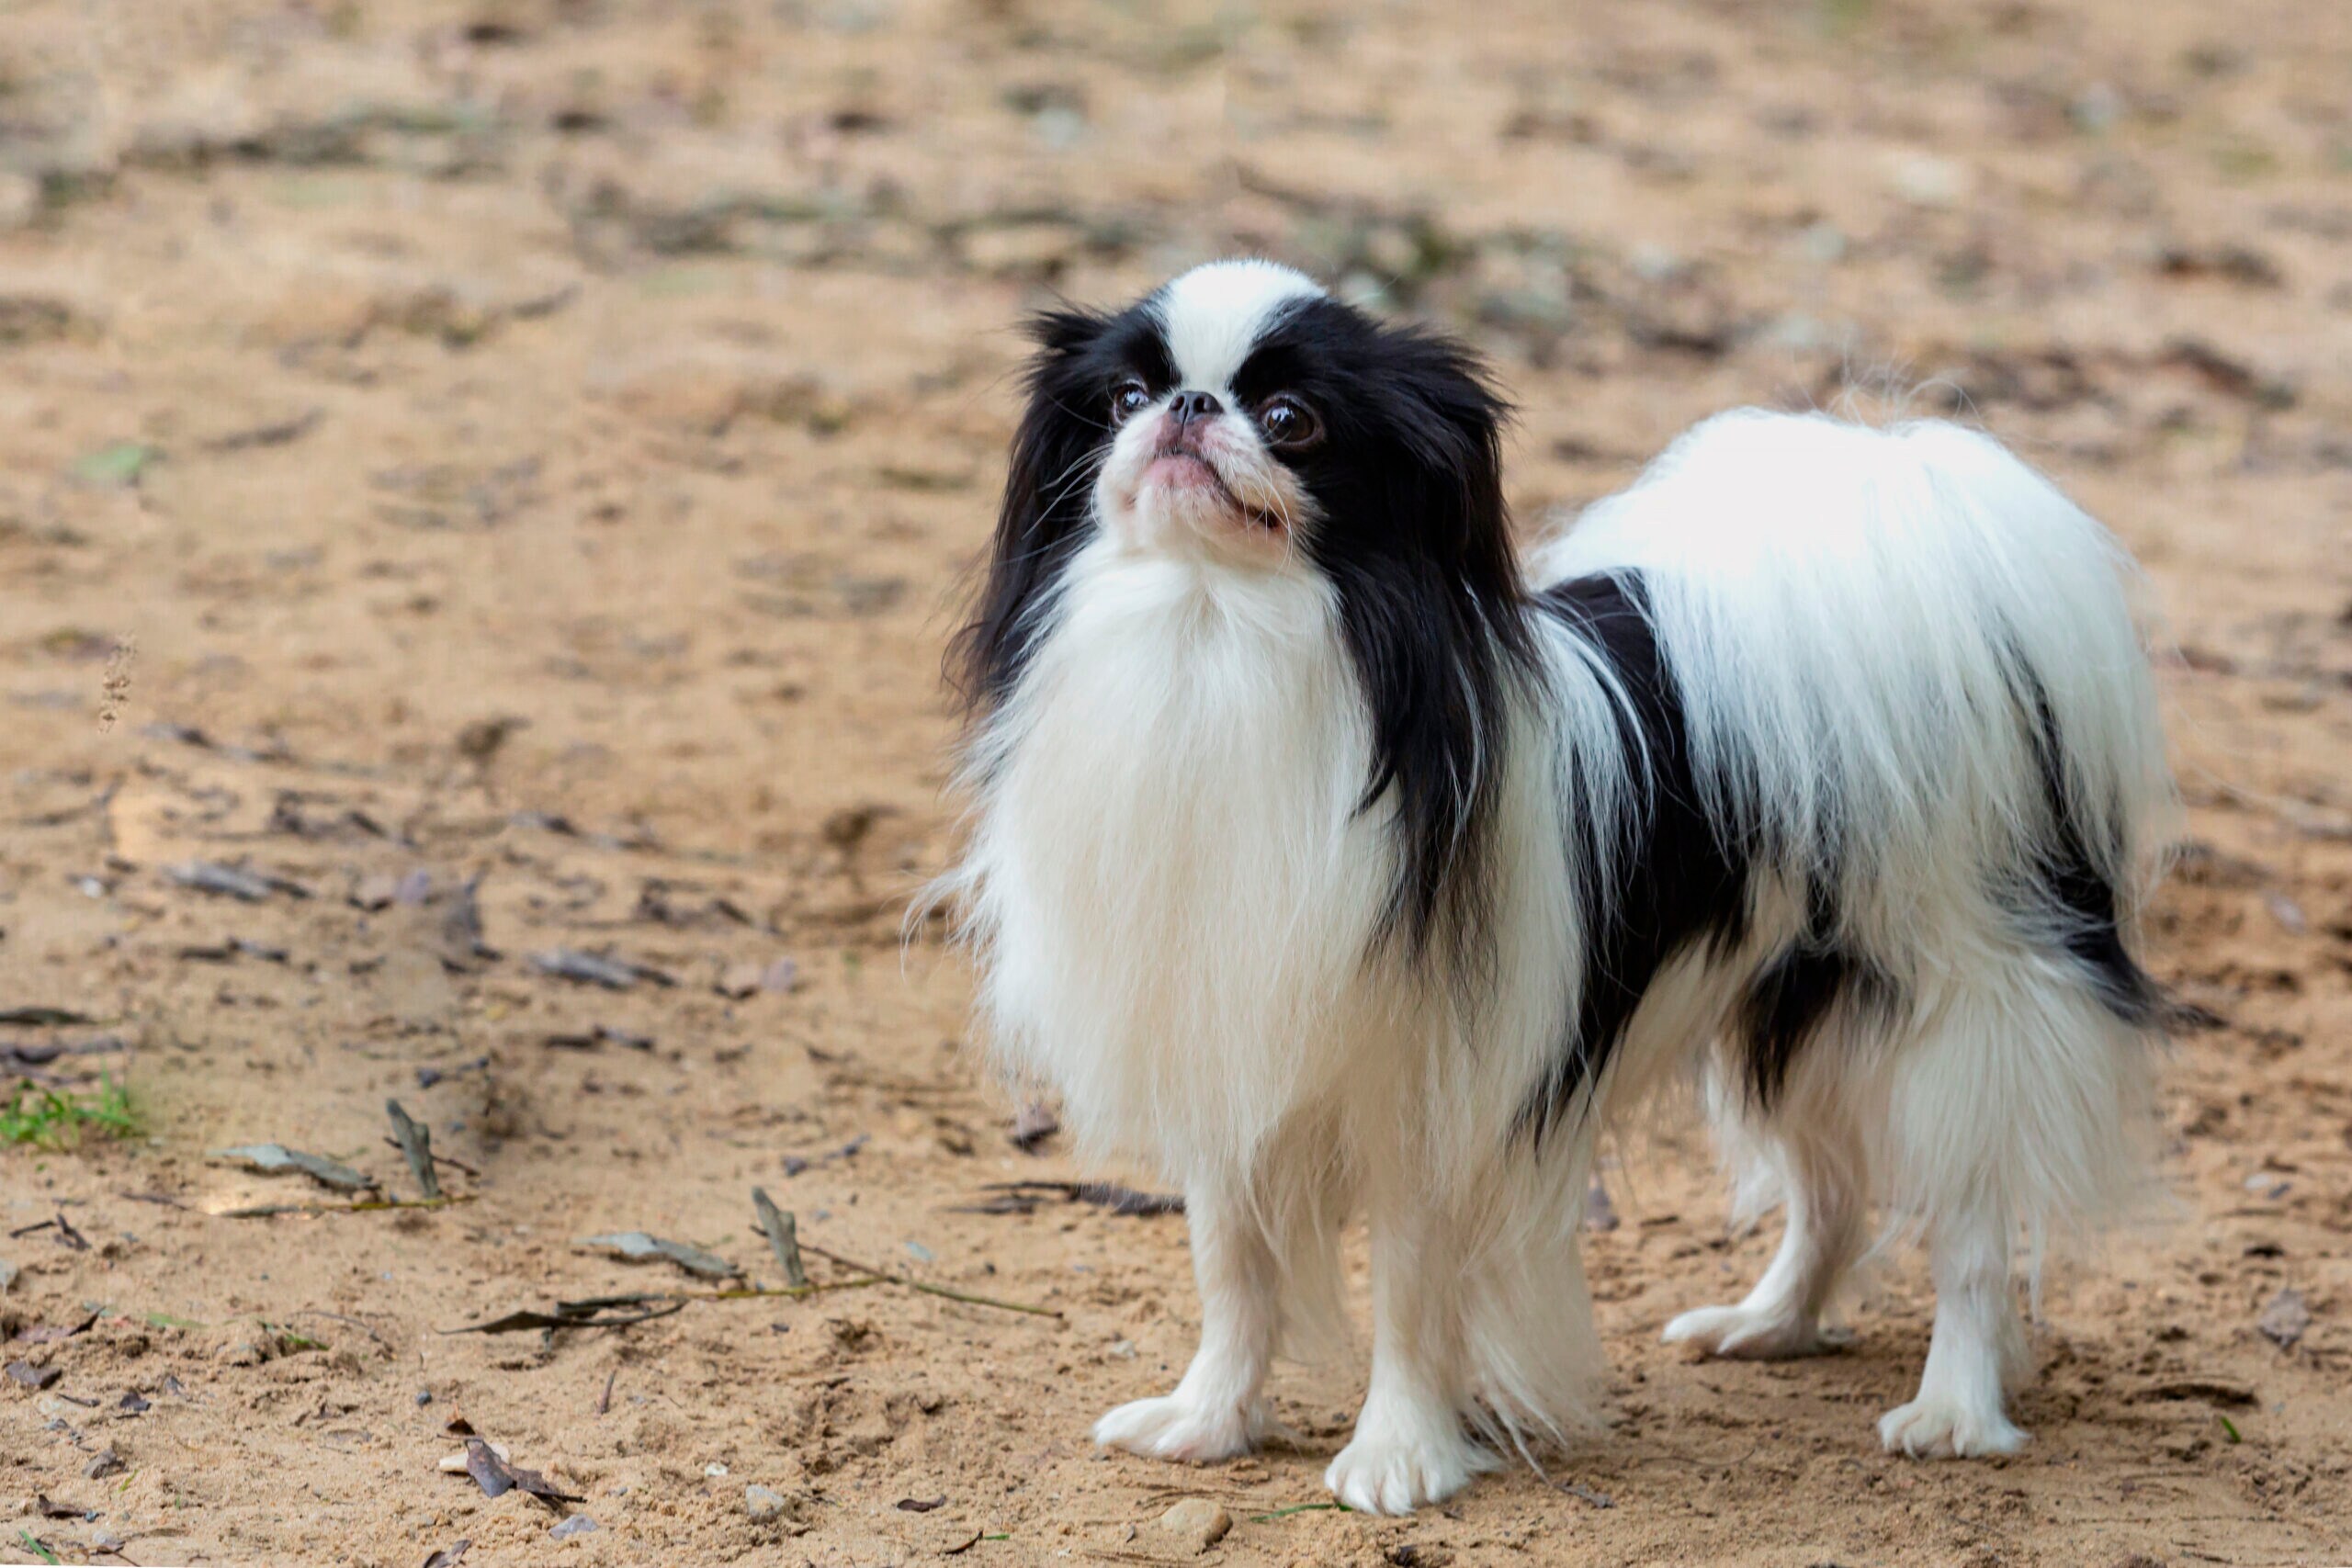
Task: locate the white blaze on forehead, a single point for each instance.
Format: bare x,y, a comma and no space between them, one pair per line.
1213,315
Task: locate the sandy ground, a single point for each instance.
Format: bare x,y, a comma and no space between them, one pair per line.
537,447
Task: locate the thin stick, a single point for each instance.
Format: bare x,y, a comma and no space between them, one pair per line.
604,1400
784,1238
791,1293
437,1160
929,1290
372,1205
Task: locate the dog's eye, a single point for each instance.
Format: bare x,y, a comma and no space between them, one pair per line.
1128,399
1289,424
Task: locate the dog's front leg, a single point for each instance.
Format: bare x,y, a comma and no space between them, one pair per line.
1408,1447
1218,1409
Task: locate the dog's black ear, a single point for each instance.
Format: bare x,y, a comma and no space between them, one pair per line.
1418,545
1047,507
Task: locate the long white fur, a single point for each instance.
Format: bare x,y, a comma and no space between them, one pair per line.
1175,903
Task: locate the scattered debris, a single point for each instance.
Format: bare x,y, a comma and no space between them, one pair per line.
2285,1319
496,1477
1033,1125
449,1556
278,433
67,1236
43,1018
596,969
134,1403
2223,374
783,1234
2213,1391
454,1465
2286,912
579,1524
741,980
427,1077
50,1333
416,1143
276,1159
1584,1493
636,1247
461,945
107,1463
232,882
228,951
597,1311
33,1377
49,1509
921,1505
762,1504
794,1163
600,1035
1022,1198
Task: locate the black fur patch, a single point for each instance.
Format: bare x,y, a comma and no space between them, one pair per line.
1416,540
1786,1001
1682,877
2069,892
1047,509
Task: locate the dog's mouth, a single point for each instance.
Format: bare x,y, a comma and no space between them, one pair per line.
1182,468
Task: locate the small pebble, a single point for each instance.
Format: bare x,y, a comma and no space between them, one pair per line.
762,1504
579,1524
424,1396
714,1467
1195,1524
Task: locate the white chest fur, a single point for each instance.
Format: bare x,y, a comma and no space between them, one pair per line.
1170,885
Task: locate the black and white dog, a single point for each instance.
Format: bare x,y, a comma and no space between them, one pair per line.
1338,859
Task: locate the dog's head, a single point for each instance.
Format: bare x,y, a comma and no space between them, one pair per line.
1240,417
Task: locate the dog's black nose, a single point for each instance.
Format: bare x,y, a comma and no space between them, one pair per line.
1191,406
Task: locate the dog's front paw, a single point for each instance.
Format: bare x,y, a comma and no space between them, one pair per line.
1940,1427
1177,1428
1744,1333
1395,1468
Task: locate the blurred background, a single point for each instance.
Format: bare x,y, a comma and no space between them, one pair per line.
497,476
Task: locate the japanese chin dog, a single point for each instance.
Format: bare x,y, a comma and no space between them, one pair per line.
1340,860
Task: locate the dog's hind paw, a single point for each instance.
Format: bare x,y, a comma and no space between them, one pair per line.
1175,1428
1744,1334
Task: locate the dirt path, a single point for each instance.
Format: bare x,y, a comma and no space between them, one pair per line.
532,447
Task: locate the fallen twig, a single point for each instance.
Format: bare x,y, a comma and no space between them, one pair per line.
1022,1198
372,1205
927,1289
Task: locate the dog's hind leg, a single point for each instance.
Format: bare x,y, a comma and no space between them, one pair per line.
1804,1153
2020,1103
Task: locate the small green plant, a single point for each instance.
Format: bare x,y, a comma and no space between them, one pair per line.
52,1120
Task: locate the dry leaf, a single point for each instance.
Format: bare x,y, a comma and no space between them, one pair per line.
496,1477
276,1159
636,1247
